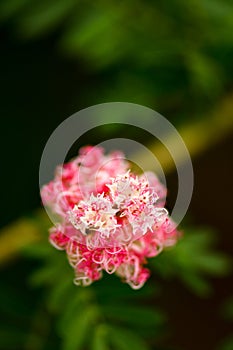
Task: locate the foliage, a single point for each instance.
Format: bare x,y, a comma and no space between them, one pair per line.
142,51
192,260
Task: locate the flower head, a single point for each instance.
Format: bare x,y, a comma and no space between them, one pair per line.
110,219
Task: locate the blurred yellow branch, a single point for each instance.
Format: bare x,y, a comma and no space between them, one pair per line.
15,236
198,137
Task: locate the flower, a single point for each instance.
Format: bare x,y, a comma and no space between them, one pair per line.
109,219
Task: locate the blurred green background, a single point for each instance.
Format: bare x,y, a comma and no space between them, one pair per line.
59,56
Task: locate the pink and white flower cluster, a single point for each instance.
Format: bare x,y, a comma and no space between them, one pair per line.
109,219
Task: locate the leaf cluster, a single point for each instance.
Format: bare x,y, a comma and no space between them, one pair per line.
194,260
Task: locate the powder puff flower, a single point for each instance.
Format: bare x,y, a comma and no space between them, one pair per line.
109,219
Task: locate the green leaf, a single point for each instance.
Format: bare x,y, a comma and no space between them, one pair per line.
38,250
111,289
64,290
97,35
77,332
10,8
134,316
44,16
123,339
214,264
79,300
205,75
197,284
44,275
193,260
99,341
